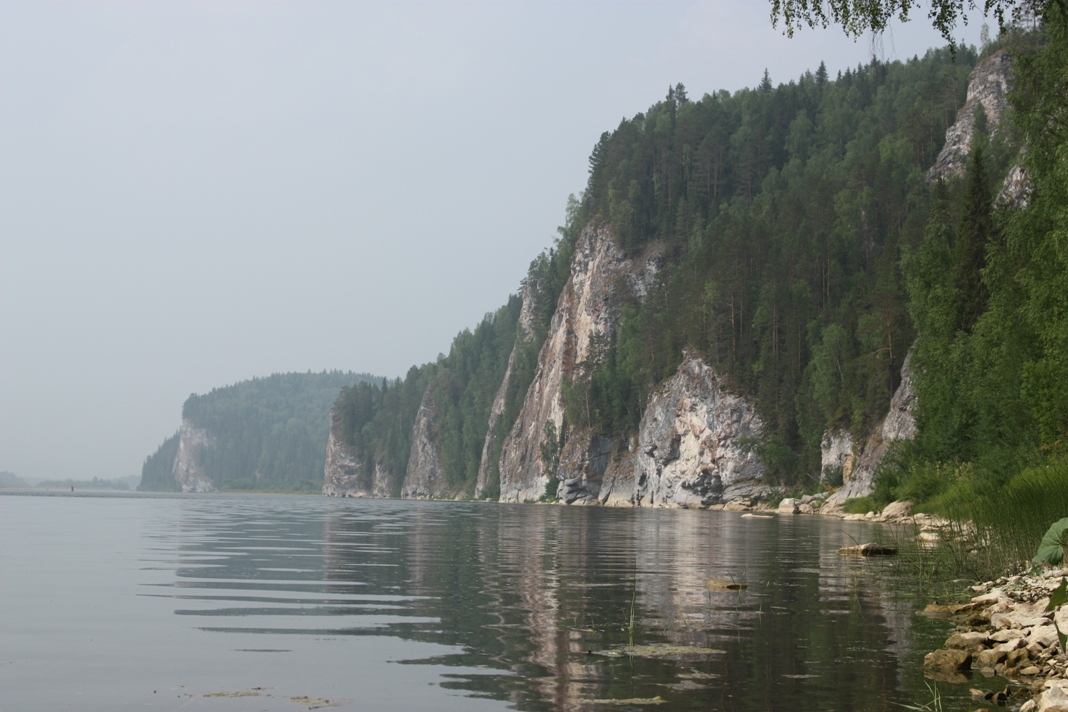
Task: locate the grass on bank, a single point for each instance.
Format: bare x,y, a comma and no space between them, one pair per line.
998,512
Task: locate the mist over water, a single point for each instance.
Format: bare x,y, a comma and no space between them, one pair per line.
286,603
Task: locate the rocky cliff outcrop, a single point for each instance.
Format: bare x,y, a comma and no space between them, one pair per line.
899,424
188,463
488,477
587,306
342,474
836,455
692,448
988,86
1016,189
425,478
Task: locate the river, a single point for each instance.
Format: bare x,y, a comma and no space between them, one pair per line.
261,602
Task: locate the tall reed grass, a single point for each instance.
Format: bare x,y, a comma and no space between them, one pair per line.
986,536
1007,527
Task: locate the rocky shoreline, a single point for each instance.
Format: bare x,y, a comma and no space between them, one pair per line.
1006,630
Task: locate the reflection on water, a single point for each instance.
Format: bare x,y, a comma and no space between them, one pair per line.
370,604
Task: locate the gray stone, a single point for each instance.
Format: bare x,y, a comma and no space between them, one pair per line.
425,478
990,658
601,274
897,510
836,453
789,506
988,86
899,424
690,450
343,474
188,468
487,473
1043,635
966,641
948,660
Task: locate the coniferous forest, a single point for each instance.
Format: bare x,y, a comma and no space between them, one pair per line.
270,433
806,253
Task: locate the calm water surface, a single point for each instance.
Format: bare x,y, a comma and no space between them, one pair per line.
294,603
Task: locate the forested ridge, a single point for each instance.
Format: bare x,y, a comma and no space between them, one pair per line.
782,213
806,252
270,433
377,419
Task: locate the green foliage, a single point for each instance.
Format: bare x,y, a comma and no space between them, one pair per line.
858,17
1059,596
378,421
270,433
861,505
1009,520
551,444
782,214
988,294
157,473
1053,544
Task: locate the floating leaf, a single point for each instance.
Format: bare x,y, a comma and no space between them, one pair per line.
718,585
1051,550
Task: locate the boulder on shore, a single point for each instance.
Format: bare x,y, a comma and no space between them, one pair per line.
789,506
948,660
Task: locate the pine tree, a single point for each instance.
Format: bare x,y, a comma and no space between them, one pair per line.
975,231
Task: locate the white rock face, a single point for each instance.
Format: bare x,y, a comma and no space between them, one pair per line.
1015,191
425,478
988,86
188,467
383,486
342,475
690,450
899,424
486,470
836,451
587,306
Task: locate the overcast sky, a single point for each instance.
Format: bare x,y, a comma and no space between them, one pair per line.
195,193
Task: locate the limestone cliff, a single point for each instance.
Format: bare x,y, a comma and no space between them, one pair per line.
383,484
899,424
425,478
487,472
188,465
836,455
586,307
342,474
988,86
1015,191
692,445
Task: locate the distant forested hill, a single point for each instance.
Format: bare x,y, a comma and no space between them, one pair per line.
10,479
269,433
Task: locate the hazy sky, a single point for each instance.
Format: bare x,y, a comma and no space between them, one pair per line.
195,193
